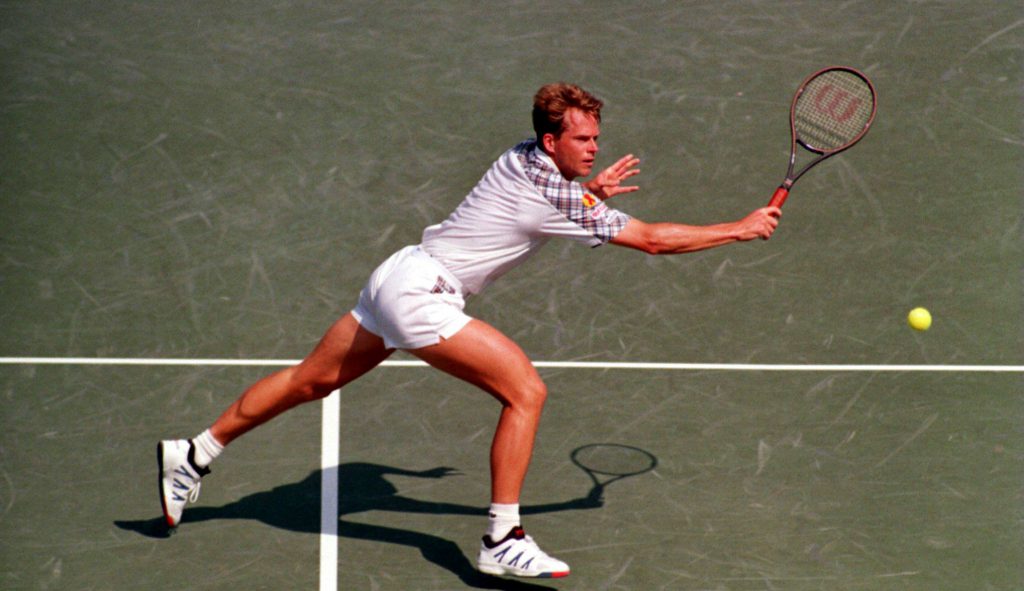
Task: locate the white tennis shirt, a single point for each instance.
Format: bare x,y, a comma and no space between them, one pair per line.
518,205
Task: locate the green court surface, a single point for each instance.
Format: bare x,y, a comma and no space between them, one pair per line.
215,181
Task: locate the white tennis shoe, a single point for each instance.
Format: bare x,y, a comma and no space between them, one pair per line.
518,555
179,477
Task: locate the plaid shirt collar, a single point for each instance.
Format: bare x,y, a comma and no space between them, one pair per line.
537,157
543,157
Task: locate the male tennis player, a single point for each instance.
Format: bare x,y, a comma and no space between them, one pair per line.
414,301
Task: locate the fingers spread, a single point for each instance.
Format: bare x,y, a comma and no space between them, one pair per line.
625,163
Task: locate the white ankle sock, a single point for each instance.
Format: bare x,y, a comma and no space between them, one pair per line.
207,448
503,517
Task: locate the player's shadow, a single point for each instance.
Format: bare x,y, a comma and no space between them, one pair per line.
296,507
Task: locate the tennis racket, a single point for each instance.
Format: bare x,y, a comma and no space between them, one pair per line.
832,110
606,463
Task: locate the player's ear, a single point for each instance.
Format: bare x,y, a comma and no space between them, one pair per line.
547,141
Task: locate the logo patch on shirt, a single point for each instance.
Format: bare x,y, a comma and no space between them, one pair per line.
589,200
597,212
442,286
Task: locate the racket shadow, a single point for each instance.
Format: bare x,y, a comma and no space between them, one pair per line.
605,463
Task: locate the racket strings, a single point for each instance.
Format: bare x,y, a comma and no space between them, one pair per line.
833,110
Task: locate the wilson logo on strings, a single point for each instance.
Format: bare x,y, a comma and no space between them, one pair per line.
834,107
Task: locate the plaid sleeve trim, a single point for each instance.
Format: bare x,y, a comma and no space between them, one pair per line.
568,197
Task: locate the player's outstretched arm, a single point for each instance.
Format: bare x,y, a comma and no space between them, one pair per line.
670,238
608,182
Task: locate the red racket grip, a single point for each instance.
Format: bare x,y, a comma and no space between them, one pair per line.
779,197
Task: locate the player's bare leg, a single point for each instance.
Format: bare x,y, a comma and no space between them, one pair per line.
345,352
483,356
486,358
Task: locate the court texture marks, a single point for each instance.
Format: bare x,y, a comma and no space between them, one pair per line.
190,193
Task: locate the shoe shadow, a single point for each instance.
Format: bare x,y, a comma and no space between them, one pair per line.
296,507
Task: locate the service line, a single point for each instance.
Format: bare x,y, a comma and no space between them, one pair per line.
605,365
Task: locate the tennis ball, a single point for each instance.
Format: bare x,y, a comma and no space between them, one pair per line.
919,319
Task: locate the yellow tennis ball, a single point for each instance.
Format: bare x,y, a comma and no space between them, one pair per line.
919,319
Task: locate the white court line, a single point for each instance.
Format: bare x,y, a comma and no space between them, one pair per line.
330,458
541,364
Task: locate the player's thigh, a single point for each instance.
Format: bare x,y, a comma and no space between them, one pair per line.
483,356
346,351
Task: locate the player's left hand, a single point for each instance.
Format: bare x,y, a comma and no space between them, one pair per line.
608,182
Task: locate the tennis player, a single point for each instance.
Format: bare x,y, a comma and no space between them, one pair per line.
414,301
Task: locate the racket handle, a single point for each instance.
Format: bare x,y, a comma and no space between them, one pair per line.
779,197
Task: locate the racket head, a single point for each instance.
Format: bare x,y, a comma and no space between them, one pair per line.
613,459
832,110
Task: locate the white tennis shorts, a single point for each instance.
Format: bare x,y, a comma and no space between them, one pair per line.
411,301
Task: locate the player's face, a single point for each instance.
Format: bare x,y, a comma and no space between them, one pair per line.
575,148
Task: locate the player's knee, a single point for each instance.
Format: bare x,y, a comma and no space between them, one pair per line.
310,388
531,395
320,390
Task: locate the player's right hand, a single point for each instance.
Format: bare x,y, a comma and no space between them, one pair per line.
760,223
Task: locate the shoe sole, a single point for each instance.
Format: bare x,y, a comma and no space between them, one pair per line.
500,571
160,484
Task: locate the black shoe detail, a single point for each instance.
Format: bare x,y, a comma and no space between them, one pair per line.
160,477
517,533
192,460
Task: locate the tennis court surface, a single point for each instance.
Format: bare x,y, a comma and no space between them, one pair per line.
192,194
